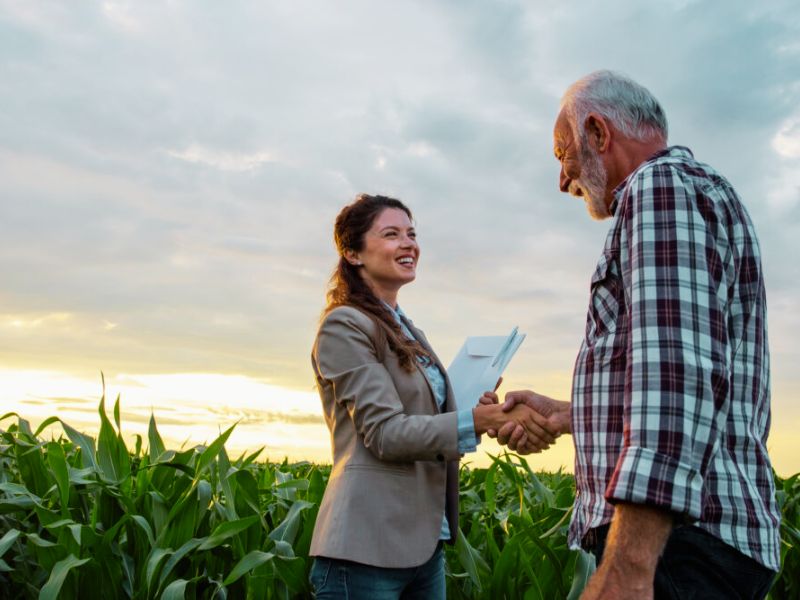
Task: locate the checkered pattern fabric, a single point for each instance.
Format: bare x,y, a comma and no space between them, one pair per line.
671,390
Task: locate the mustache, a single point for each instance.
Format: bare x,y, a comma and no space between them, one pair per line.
576,189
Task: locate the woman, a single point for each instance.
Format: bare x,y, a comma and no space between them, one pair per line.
392,497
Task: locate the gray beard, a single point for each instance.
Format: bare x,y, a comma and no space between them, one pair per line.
591,185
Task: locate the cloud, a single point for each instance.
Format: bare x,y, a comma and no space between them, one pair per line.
225,161
787,141
121,14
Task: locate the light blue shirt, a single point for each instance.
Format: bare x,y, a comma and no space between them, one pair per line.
467,440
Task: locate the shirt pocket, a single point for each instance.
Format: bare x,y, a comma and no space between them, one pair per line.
605,301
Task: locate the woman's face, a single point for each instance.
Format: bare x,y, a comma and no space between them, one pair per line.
390,252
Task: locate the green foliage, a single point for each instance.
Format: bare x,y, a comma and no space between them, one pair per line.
513,534
85,518
787,586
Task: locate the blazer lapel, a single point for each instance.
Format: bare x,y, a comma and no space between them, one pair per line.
449,404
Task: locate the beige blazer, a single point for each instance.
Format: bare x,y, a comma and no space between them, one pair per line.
395,456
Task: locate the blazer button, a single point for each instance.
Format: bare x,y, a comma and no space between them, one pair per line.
440,457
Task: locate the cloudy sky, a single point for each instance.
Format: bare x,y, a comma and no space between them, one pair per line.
171,171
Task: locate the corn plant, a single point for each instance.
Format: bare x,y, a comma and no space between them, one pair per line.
513,535
81,518
91,518
787,585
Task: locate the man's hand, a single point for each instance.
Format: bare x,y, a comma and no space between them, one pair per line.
488,415
636,538
536,436
556,413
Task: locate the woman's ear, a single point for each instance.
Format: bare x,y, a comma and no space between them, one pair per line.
351,256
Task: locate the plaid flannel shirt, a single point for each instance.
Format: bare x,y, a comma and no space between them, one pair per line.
671,389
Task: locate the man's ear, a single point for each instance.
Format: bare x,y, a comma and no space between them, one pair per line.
597,131
351,256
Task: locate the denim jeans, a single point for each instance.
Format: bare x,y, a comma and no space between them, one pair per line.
697,566
345,580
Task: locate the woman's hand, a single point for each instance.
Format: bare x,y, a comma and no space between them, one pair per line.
536,434
555,412
490,416
489,398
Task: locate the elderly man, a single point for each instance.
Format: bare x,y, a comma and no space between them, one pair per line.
671,391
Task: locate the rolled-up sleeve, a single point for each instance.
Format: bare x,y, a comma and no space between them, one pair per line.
676,380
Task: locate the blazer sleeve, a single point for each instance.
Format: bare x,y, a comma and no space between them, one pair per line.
346,356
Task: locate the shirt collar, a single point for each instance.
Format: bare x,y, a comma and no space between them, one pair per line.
671,152
397,312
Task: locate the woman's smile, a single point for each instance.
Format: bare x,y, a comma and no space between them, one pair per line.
390,254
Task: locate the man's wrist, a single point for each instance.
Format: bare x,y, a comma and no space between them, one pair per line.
635,567
563,417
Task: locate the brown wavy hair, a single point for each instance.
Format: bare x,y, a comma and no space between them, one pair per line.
348,288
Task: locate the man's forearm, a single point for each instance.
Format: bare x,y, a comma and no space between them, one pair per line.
636,539
637,535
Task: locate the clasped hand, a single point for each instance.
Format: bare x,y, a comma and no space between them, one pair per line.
533,422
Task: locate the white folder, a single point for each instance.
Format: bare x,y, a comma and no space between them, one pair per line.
479,364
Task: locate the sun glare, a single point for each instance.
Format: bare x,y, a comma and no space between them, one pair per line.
194,408
189,408
20,322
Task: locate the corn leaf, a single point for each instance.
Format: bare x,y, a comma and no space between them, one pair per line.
181,552
154,562
32,469
292,572
112,454
85,443
505,569
144,525
48,421
52,588
287,530
210,453
471,560
8,539
58,467
226,530
175,590
116,415
584,567
249,562
37,540
489,488
156,448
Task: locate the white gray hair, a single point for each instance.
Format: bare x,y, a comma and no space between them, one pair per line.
629,106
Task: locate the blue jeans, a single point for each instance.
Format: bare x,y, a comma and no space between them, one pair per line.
697,566
345,580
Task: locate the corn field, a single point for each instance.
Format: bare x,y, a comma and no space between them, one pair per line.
85,518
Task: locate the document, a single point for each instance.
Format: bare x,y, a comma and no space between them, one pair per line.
479,364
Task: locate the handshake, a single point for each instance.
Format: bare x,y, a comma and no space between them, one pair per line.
526,422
